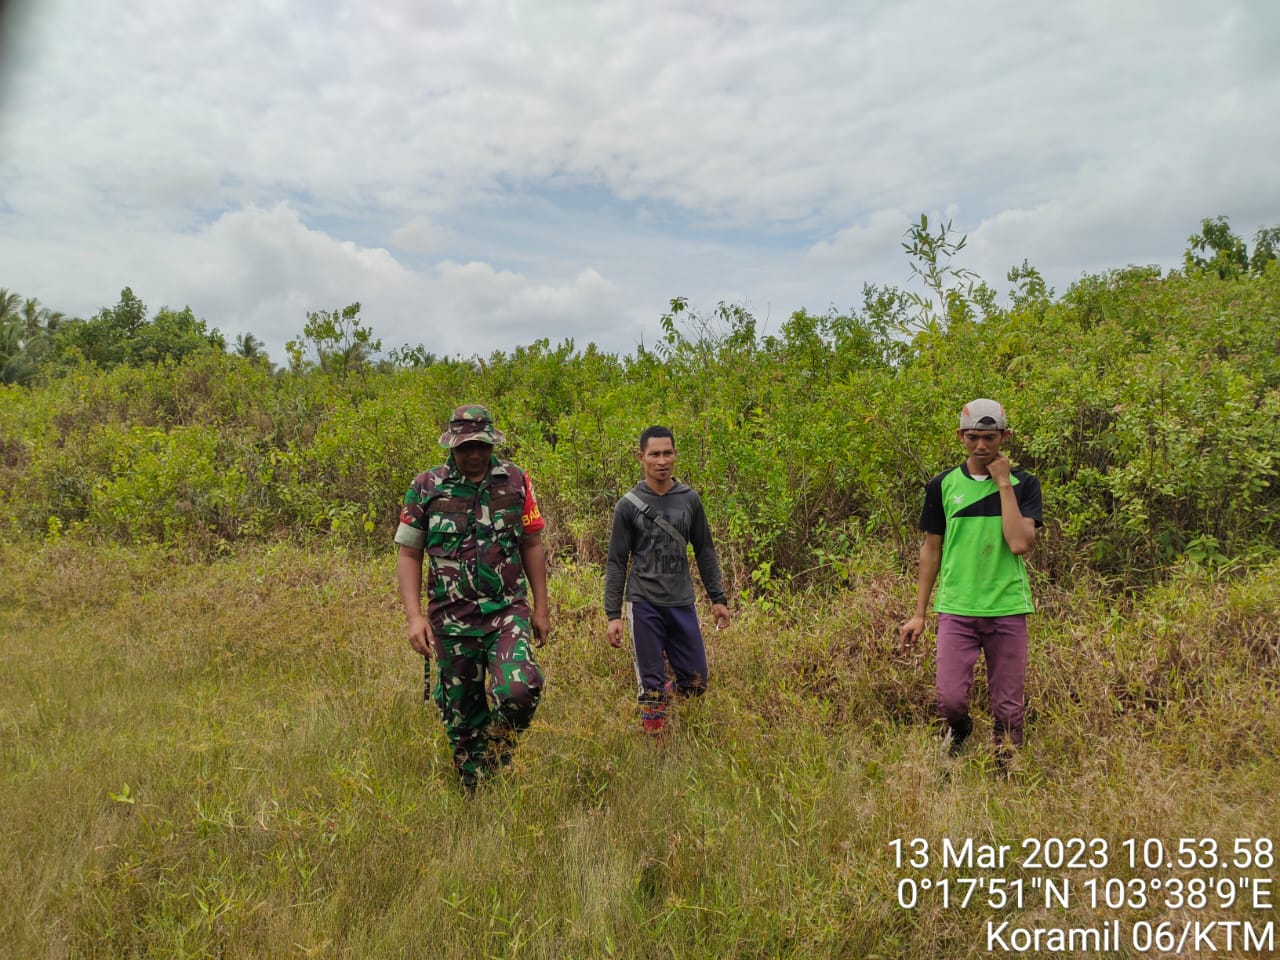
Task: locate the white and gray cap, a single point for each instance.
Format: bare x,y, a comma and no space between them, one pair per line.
983,414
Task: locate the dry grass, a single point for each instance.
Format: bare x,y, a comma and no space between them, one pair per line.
288,793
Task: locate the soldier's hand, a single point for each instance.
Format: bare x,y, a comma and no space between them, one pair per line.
541,623
615,633
421,638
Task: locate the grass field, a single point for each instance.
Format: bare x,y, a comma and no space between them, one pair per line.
233,759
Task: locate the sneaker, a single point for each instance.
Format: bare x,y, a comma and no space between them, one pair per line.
653,714
654,726
956,735
1006,754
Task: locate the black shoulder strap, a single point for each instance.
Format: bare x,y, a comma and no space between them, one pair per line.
656,517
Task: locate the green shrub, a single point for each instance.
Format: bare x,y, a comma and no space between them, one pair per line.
1147,405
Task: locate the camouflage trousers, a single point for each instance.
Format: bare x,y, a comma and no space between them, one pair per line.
474,669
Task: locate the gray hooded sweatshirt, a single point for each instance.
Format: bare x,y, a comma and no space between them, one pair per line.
659,564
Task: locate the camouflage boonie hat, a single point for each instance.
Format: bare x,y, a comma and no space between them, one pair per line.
471,422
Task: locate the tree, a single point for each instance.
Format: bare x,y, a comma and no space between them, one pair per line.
1266,247
1216,249
252,349
1031,290
953,288
172,335
248,346
25,327
38,320
9,301
341,344
104,339
412,358
10,350
123,335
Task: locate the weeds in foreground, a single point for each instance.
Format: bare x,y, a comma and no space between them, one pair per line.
235,760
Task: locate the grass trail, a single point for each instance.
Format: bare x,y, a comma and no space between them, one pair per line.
234,760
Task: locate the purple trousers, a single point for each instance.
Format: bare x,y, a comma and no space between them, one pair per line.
1003,641
667,635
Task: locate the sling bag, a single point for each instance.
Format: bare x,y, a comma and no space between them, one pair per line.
656,517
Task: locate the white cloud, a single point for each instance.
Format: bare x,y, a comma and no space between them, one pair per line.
881,231
263,270
570,164
420,235
475,296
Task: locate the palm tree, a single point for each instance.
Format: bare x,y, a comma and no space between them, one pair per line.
248,346
253,350
32,318
15,365
37,319
10,338
25,331
8,305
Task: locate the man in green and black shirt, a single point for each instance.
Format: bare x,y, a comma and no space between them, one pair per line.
979,519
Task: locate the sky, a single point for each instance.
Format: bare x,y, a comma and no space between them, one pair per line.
480,175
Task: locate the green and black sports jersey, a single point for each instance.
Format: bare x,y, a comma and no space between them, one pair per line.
980,576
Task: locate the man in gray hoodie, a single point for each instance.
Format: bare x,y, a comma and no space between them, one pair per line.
652,528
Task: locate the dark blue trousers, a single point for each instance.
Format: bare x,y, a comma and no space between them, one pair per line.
667,635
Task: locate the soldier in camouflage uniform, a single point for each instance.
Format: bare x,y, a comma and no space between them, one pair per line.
476,519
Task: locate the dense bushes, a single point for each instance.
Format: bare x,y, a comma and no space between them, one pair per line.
1148,406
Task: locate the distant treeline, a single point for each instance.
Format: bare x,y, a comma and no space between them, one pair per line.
1148,404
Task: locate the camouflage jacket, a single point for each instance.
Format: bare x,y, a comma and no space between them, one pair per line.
470,533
